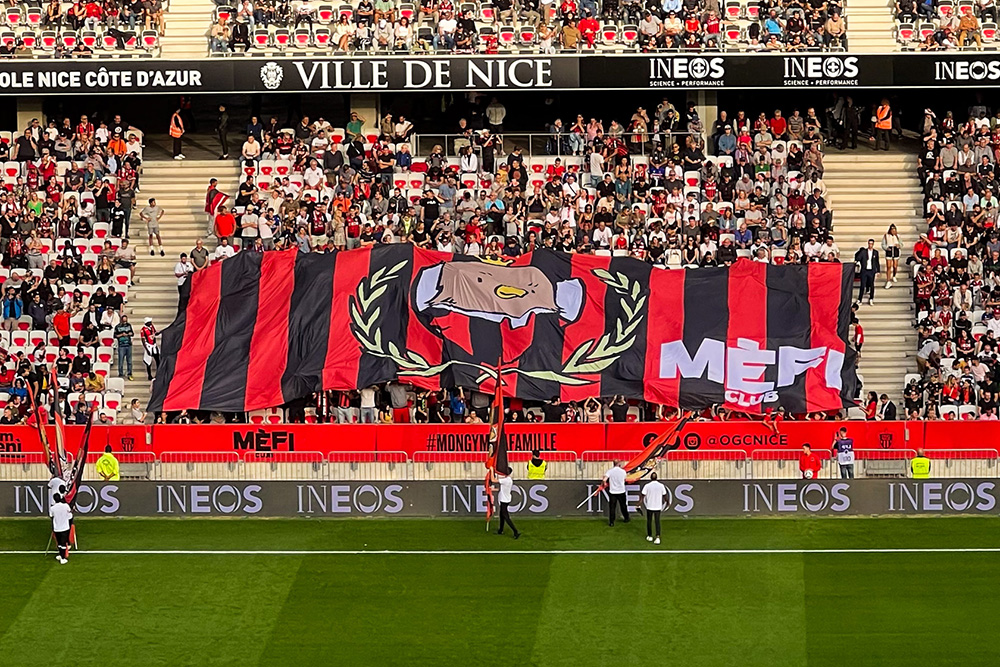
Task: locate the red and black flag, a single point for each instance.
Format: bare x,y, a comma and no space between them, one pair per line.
496,452
260,330
644,462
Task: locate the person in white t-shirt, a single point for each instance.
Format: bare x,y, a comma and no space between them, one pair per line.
506,485
224,250
368,405
652,498
62,516
614,480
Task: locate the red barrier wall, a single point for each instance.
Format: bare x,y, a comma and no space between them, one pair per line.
739,435
271,438
121,438
749,436
412,438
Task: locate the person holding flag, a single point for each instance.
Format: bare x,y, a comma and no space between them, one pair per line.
505,485
496,460
62,519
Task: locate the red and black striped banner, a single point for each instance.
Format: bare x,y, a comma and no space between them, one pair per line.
260,330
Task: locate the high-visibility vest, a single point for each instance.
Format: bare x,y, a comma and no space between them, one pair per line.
108,465
883,117
175,129
921,467
537,471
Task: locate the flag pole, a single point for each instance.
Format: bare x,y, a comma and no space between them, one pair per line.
652,451
493,446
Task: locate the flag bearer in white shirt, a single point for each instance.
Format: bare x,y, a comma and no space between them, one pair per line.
61,516
614,480
652,498
506,484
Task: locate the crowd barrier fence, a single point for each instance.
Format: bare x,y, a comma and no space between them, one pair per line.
566,465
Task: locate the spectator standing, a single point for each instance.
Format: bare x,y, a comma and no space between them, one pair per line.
152,215
886,409
868,264
368,405
843,449
495,114
182,269
123,334
222,128
398,403
199,255
150,348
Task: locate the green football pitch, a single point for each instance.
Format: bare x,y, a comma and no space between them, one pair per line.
844,592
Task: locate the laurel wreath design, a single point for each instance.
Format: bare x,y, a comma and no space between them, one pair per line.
589,358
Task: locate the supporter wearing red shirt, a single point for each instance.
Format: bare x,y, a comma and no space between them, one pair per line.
555,169
588,27
60,323
809,463
225,223
778,125
922,248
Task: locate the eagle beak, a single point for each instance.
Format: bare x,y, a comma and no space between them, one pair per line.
509,292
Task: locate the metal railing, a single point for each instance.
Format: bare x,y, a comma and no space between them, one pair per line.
564,465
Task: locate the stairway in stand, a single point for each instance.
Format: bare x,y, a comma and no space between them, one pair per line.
868,191
870,26
188,25
179,187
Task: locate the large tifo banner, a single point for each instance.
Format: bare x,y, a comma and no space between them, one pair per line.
529,498
260,330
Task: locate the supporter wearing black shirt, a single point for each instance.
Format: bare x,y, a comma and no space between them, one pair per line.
553,410
81,362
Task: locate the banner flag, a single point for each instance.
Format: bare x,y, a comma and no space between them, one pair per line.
262,329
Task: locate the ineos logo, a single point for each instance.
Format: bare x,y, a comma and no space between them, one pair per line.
208,499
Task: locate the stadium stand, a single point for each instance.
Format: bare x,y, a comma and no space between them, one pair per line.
80,29
954,268
943,25
526,27
66,264
653,188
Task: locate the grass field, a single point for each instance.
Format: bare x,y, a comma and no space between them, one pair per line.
501,602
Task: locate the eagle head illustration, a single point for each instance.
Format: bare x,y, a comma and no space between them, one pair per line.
497,293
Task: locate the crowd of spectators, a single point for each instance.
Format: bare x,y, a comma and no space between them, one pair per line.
81,29
654,187
545,26
760,195
956,270
939,25
66,261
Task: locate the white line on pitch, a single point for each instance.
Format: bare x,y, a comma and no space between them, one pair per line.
499,552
